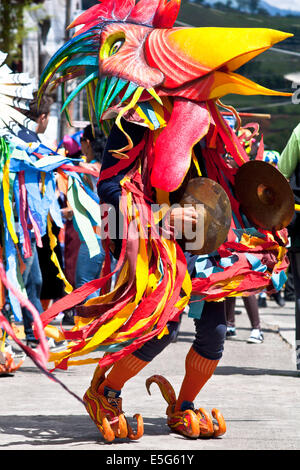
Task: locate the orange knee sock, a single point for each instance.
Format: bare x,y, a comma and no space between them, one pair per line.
121,372
198,371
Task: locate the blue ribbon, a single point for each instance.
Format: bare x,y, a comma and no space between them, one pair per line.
279,279
256,263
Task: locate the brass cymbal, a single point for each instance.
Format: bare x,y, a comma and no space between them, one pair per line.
214,209
265,195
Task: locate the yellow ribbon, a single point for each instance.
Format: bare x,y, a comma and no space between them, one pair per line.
54,259
7,205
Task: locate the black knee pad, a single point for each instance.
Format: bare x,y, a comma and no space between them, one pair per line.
211,345
211,331
155,346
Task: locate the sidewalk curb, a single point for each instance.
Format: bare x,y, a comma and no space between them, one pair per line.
276,329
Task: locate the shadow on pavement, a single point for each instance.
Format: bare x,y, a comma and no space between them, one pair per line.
64,430
231,370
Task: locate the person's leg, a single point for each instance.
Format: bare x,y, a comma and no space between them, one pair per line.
102,399
205,353
32,278
295,265
229,308
278,299
289,291
132,364
230,317
251,305
262,300
71,248
123,371
200,364
87,268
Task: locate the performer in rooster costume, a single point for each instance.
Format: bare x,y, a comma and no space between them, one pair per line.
155,89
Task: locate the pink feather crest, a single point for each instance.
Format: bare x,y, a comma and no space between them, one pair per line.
110,10
122,9
166,13
89,16
157,13
144,12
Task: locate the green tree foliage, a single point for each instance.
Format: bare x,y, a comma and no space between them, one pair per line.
12,27
253,5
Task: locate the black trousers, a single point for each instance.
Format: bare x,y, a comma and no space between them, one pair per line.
295,265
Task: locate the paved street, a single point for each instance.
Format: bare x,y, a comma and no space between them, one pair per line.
255,386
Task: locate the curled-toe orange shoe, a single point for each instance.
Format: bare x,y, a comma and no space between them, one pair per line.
106,412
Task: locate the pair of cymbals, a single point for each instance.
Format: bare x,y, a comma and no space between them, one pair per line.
265,195
263,192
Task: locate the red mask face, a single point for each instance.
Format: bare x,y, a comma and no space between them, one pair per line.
128,54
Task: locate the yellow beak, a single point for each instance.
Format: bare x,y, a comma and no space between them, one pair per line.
230,48
186,55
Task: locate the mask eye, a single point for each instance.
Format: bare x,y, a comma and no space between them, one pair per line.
112,45
116,46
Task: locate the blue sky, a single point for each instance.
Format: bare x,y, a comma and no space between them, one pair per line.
286,4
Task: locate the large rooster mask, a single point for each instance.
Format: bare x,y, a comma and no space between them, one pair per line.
132,62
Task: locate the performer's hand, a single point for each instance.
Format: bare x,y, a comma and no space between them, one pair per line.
182,215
